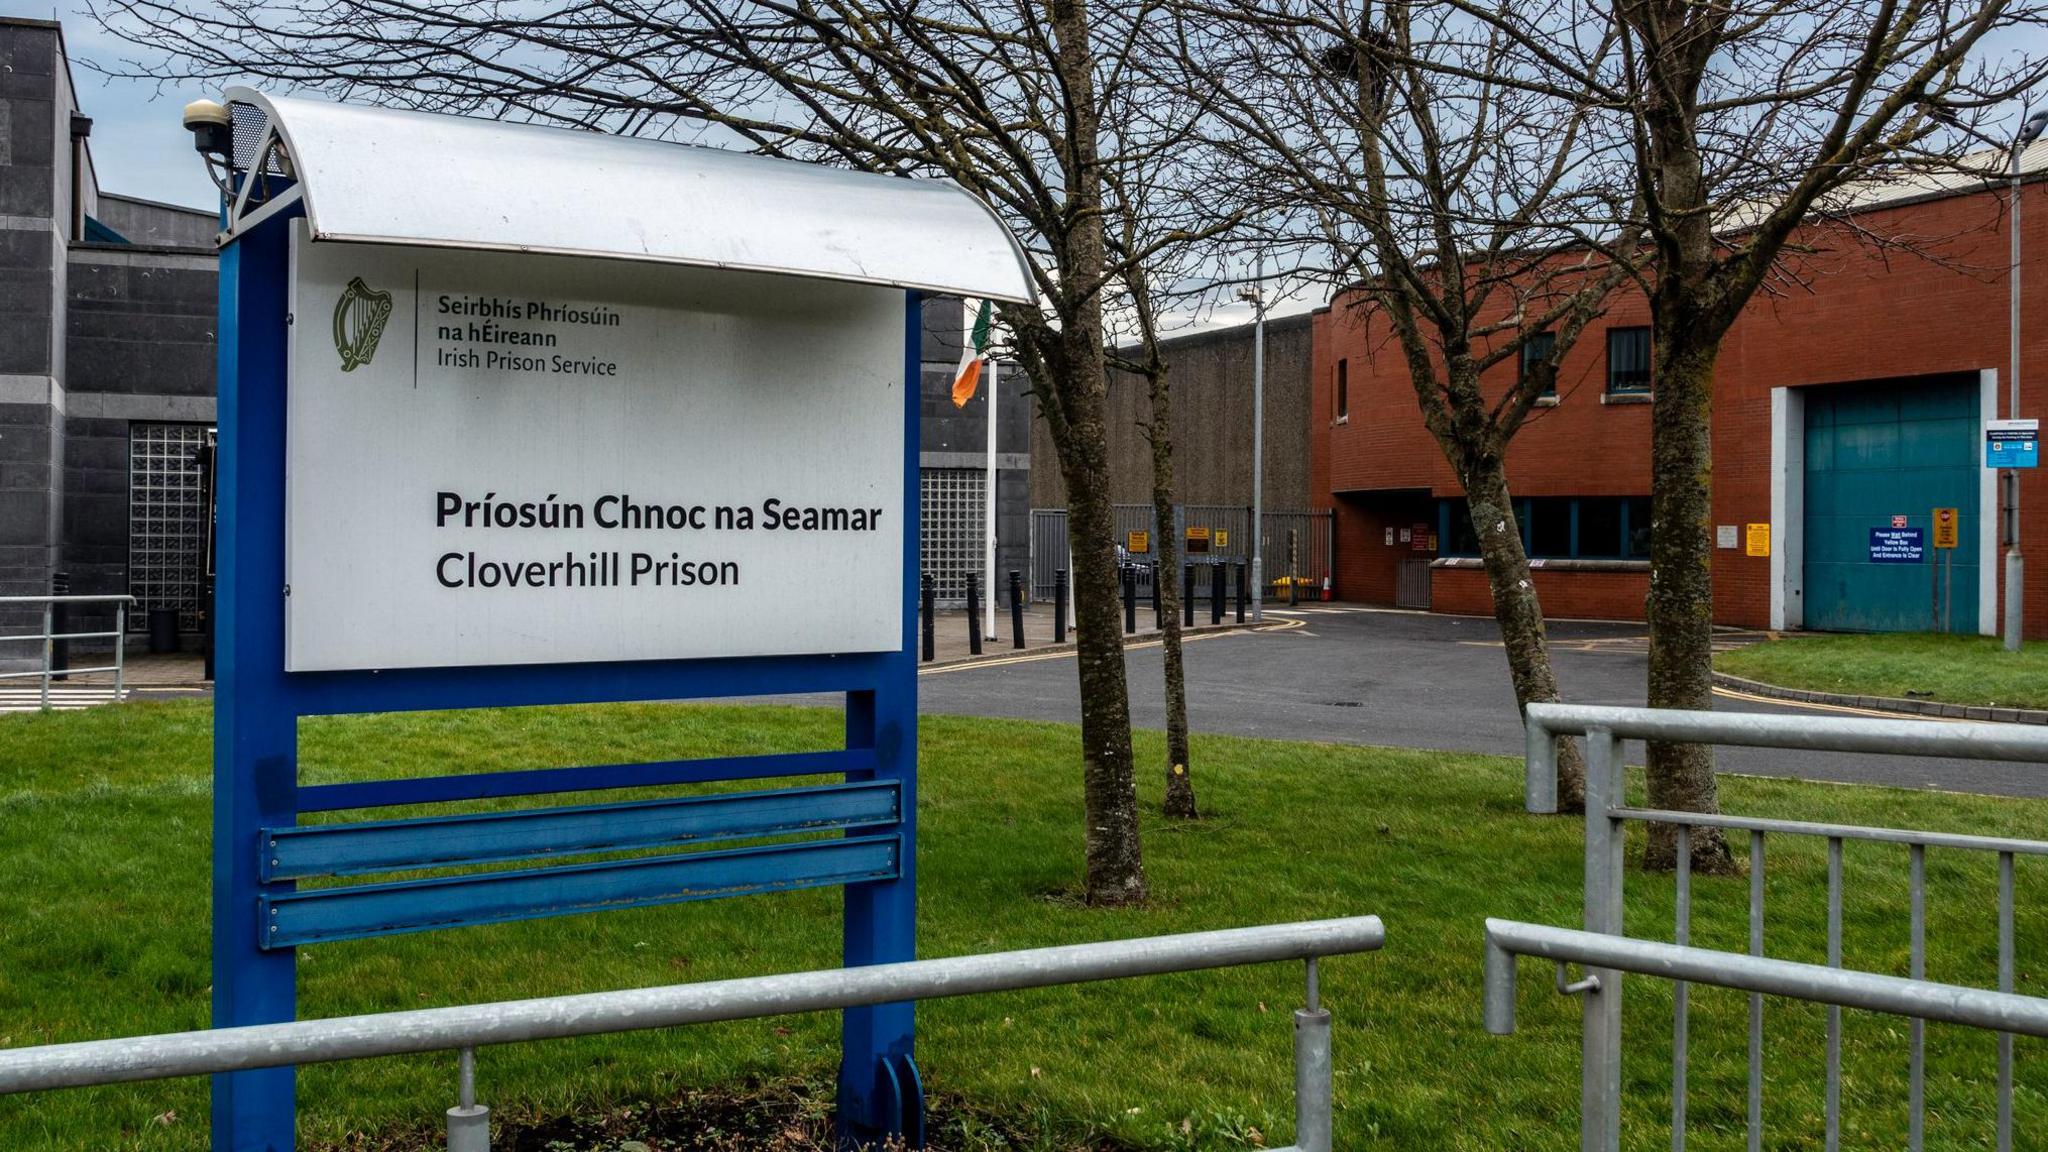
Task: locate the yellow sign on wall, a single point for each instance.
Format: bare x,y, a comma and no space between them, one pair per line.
1223,537
1946,522
1138,542
1758,540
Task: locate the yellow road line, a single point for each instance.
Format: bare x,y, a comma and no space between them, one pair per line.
1034,657
1845,709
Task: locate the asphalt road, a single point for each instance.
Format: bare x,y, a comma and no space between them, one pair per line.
1354,675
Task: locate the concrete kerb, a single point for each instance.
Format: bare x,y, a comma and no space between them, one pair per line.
1931,708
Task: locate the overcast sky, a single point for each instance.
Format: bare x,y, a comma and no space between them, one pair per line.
140,149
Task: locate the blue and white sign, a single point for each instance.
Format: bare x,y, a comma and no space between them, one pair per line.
2012,444
1897,546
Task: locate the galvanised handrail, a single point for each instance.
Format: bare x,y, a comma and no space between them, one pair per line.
1544,723
48,638
1816,983
467,1027
1607,812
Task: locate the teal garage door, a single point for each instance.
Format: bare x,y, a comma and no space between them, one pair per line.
1875,451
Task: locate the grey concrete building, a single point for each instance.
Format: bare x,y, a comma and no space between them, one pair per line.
106,357
1211,378
1210,374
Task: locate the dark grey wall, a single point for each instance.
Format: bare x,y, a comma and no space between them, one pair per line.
157,225
1210,375
35,99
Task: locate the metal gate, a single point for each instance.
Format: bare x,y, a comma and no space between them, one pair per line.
1229,543
1412,583
1607,953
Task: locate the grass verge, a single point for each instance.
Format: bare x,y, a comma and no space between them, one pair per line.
1970,670
103,932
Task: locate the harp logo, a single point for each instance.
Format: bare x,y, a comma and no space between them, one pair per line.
359,318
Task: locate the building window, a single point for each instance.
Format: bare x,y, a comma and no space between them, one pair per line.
166,522
1343,390
1561,527
1628,361
1535,350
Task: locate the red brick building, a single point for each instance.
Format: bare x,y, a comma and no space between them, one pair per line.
1849,398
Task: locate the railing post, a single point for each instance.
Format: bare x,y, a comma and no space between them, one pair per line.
469,1124
1312,1097
1539,767
1059,606
1606,846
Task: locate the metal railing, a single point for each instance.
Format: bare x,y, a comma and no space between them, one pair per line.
468,1027
47,639
1606,954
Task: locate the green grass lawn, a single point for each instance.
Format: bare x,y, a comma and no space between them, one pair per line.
1973,670
103,932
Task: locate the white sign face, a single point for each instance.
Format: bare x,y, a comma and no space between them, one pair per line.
1724,536
500,459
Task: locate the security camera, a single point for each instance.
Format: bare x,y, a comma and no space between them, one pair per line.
213,130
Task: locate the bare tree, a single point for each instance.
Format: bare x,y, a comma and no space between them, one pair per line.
1005,98
1469,214
1751,126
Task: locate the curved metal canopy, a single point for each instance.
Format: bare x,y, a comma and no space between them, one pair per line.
385,176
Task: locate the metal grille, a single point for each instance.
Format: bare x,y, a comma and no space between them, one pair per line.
951,543
166,521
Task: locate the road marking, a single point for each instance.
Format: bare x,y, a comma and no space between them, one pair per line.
1816,706
1035,657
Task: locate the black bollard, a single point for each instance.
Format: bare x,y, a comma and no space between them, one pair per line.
1158,611
1130,600
1215,593
1059,606
1187,595
60,623
1016,609
974,613
929,596
1240,591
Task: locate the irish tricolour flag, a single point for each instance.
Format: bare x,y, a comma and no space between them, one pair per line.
971,357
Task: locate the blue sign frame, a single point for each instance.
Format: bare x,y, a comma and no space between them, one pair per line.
258,797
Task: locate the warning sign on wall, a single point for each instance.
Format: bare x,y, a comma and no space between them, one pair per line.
1757,540
1946,522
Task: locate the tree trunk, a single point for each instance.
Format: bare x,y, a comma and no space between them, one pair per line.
1115,864
1681,604
1517,610
1180,783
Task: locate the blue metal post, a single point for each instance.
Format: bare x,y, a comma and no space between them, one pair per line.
879,1092
255,745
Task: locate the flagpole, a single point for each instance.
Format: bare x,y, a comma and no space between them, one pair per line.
989,505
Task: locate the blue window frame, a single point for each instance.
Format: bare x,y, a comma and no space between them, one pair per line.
1628,361
1535,350
1559,527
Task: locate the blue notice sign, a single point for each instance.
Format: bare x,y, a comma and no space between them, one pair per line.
2012,444
1897,546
